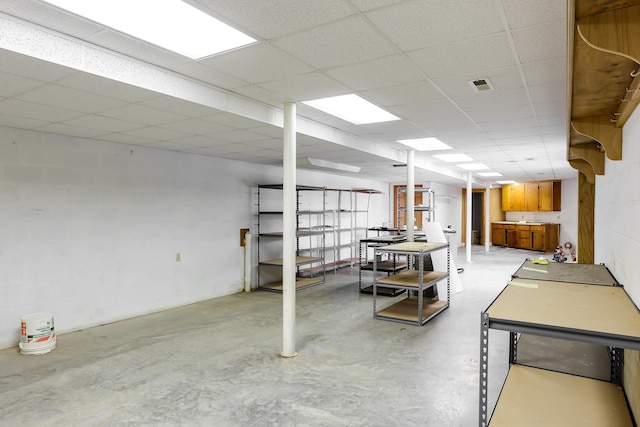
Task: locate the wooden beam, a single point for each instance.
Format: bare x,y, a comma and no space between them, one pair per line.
616,32
584,168
629,103
602,130
586,202
591,155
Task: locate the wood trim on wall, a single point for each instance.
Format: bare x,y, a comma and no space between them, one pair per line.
586,204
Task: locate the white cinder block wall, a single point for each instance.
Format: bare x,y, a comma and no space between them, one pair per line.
90,230
617,212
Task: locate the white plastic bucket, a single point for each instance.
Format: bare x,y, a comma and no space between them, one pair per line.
37,334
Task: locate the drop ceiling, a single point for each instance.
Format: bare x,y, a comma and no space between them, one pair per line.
65,75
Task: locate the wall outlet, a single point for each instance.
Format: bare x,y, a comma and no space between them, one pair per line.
178,257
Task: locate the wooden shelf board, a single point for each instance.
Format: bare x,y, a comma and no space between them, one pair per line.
300,284
383,291
300,260
413,247
409,278
562,305
407,310
386,266
537,397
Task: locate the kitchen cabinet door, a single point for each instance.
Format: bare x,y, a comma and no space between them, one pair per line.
531,196
550,195
498,235
517,197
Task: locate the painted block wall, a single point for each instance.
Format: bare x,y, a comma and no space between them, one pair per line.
617,212
91,231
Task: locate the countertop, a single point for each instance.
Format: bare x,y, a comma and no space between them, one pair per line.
521,223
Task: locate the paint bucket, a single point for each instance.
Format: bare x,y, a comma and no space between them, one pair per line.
37,334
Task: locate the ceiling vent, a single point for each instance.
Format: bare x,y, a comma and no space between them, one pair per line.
481,85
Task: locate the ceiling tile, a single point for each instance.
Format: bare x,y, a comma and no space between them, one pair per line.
507,78
106,87
275,18
524,13
338,43
197,126
541,42
258,63
13,84
366,5
108,124
412,93
29,110
497,99
179,106
388,71
142,114
261,94
542,72
468,56
421,23
71,99
63,129
306,87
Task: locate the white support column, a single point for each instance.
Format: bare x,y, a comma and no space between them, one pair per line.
487,216
468,225
411,194
289,232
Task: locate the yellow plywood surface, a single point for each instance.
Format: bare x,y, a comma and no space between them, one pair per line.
414,247
410,278
590,274
407,309
300,282
536,397
605,309
300,260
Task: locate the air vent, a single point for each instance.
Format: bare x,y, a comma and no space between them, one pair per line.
481,85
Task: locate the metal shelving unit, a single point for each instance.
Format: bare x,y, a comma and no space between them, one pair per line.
427,208
417,308
391,265
310,238
599,313
348,223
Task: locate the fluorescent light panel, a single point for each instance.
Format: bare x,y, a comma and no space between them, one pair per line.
171,24
451,158
506,182
473,166
489,174
352,108
424,144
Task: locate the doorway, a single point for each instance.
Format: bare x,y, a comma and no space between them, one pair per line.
477,218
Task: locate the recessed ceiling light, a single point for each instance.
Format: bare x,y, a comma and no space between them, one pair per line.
489,174
352,108
424,144
171,24
452,158
473,166
506,182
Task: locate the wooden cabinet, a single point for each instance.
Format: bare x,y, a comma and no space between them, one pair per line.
537,237
513,197
532,196
524,236
550,195
498,236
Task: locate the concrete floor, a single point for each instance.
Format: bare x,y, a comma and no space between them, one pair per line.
216,363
